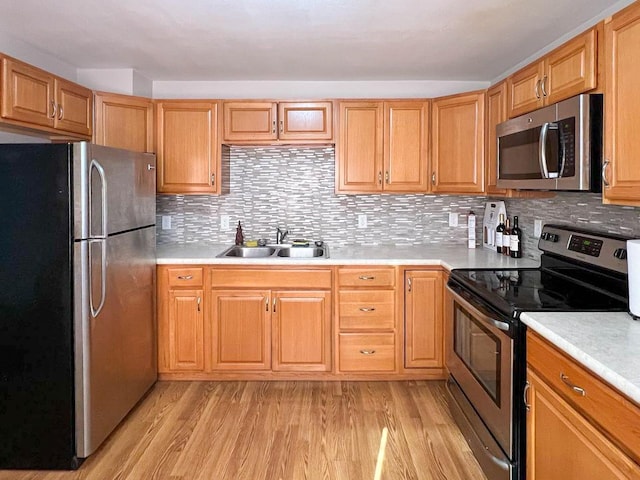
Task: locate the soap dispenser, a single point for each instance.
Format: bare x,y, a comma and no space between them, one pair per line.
239,235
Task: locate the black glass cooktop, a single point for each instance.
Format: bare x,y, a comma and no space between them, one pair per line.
514,291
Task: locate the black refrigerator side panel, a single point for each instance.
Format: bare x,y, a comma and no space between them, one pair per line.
36,308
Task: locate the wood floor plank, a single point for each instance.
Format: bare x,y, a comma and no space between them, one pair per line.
281,430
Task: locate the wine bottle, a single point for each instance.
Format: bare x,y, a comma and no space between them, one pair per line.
499,233
515,243
506,236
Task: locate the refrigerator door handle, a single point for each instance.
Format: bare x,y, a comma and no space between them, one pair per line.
103,193
103,276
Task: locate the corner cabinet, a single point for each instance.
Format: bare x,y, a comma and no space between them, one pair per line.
457,136
568,70
124,121
383,147
251,122
33,98
423,319
496,114
621,170
187,147
578,428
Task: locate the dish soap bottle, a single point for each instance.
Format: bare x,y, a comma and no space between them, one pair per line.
239,235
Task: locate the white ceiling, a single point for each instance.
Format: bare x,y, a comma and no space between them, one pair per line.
297,39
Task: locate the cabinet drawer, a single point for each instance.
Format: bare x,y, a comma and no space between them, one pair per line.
367,277
185,277
367,309
370,352
273,278
607,408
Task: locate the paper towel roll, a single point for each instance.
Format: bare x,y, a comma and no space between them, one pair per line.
633,267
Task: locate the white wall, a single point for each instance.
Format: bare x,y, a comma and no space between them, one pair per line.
28,53
311,89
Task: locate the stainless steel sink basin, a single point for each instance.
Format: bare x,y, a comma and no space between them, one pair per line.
275,251
302,252
248,252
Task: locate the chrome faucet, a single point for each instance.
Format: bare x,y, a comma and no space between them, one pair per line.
281,234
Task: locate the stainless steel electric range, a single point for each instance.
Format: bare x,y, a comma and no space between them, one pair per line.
580,270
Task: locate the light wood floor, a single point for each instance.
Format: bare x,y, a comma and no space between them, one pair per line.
281,430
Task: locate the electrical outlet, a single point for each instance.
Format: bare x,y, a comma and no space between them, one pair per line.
362,221
166,222
224,222
453,219
537,228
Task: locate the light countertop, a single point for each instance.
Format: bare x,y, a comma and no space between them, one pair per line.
450,257
606,343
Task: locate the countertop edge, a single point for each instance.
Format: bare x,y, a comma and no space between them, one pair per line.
604,372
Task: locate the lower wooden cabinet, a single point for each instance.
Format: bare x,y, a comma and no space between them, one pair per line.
186,330
241,330
301,331
578,427
423,319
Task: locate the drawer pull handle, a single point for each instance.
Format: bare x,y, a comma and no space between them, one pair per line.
199,301
575,388
185,277
366,277
367,309
367,352
527,386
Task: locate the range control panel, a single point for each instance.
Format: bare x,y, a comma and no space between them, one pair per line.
595,248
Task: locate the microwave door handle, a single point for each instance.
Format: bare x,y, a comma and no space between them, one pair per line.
542,150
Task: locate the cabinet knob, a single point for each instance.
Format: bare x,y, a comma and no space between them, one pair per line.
54,109
380,178
604,173
213,179
60,112
537,90
409,285
281,126
386,177
274,127
199,301
433,178
527,406
543,85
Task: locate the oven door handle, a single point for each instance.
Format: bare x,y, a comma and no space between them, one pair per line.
478,311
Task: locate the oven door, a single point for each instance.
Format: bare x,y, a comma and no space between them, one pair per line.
479,357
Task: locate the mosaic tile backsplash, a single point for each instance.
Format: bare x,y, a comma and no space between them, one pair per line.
294,187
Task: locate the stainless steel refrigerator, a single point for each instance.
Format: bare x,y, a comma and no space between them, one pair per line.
77,298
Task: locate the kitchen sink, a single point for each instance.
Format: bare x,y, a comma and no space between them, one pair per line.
302,252
248,252
275,251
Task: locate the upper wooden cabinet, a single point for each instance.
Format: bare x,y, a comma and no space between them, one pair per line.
622,106
496,114
251,121
568,70
187,147
457,136
123,121
383,147
34,98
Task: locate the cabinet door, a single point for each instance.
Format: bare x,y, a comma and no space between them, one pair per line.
423,320
301,329
187,147
622,106
28,93
570,69
305,121
123,121
241,330
360,149
458,144
248,121
186,330
524,90
406,127
75,107
496,114
563,445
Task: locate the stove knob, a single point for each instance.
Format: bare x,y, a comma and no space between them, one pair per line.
553,237
620,253
545,236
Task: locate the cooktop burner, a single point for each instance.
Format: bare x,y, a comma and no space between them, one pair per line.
516,290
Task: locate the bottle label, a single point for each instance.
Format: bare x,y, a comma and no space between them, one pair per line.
515,243
498,239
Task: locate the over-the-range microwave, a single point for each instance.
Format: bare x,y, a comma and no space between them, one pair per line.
558,147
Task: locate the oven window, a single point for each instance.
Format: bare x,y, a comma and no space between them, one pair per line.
479,349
